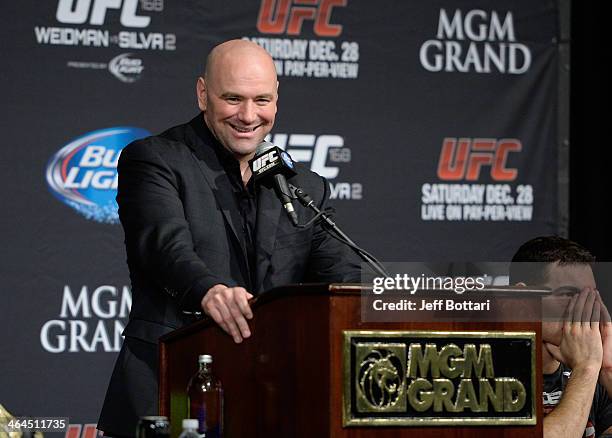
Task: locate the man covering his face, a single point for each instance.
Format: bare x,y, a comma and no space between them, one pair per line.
577,337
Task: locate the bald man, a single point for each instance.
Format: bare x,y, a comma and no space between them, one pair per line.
199,235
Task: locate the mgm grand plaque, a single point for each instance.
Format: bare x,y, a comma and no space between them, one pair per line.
432,378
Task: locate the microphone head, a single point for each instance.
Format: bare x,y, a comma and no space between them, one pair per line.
270,160
263,146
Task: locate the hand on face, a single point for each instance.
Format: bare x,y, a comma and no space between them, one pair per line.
229,307
605,328
581,341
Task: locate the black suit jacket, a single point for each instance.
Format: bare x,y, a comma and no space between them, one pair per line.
181,223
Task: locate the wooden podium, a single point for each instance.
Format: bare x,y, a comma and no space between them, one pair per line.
287,379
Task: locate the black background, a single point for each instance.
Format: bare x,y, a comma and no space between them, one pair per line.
590,128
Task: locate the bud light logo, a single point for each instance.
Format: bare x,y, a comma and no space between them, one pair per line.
83,174
125,68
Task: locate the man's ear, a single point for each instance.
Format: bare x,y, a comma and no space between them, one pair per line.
201,93
277,84
555,352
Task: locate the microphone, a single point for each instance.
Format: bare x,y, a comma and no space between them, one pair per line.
271,166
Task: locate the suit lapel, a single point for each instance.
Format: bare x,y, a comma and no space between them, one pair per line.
217,179
268,215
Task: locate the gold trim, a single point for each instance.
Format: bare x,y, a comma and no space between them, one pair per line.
435,421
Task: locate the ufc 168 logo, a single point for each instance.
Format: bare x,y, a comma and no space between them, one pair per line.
464,158
287,16
317,150
78,11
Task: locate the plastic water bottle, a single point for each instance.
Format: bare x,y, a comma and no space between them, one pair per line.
205,395
190,428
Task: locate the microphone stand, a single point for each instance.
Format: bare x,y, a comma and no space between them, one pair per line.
330,226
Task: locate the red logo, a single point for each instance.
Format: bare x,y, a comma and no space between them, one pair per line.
291,14
463,158
89,431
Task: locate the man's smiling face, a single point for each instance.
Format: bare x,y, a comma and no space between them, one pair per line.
238,98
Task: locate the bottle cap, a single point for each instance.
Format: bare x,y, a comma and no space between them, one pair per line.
205,358
190,423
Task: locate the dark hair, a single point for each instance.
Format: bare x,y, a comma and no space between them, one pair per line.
530,262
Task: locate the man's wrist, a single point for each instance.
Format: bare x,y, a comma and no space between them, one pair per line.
606,369
587,369
605,374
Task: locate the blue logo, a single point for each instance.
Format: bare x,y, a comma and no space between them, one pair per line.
287,159
83,174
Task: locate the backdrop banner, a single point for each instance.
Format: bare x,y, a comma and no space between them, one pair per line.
435,122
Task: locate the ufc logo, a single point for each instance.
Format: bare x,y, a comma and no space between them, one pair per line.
465,158
74,431
264,160
308,147
290,14
77,11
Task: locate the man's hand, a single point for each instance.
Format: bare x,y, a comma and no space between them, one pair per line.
229,307
581,342
581,350
605,328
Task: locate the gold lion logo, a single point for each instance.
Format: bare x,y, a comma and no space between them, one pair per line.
381,379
